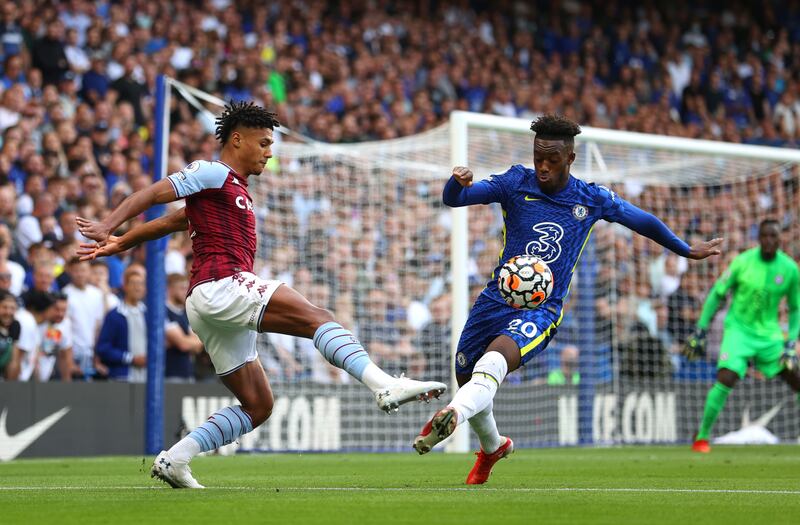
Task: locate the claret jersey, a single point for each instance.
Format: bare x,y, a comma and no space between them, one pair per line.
222,222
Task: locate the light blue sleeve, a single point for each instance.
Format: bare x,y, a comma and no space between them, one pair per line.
198,176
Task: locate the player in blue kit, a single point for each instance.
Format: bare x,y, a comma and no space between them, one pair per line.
550,214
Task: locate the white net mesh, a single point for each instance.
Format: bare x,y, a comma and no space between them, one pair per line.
360,229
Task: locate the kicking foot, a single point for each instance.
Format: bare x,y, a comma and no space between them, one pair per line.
176,475
483,465
404,390
441,425
702,446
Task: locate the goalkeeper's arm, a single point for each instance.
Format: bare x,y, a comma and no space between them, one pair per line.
695,347
789,358
155,229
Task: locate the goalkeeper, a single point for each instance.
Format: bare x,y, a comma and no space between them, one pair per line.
759,278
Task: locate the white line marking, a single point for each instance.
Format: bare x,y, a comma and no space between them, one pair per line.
429,489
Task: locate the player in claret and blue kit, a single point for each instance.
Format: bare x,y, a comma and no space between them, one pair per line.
549,214
227,304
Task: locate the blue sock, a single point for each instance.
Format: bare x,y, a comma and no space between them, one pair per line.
222,428
340,347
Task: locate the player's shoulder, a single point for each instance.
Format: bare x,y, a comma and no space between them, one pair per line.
511,176
594,193
213,168
787,261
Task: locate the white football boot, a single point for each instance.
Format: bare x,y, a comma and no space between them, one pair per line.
176,475
404,390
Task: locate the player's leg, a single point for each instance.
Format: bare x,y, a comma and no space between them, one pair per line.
232,349
792,379
521,335
501,356
250,386
735,351
288,312
715,402
768,361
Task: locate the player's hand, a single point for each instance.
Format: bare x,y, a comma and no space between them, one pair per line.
789,359
704,249
695,347
94,230
463,175
88,251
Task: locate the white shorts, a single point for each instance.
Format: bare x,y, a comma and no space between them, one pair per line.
226,314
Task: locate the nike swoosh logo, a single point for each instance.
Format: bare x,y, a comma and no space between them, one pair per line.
764,420
529,199
12,446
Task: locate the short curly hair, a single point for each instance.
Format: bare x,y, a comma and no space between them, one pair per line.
246,114
555,127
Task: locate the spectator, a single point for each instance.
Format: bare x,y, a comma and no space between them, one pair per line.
55,357
130,90
567,372
122,343
434,340
181,343
12,274
86,309
48,53
32,228
99,278
30,317
9,335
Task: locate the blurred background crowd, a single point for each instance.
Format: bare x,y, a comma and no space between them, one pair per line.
76,106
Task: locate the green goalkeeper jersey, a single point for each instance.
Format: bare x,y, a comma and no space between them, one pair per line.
758,287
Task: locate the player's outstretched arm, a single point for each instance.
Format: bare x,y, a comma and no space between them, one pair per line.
704,249
650,226
155,229
161,192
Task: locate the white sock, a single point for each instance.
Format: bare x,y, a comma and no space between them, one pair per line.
477,394
184,450
375,378
484,425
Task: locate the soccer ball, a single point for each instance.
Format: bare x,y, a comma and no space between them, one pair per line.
525,281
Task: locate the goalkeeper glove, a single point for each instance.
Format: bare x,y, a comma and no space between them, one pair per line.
695,347
789,359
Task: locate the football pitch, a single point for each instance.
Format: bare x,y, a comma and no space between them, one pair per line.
577,485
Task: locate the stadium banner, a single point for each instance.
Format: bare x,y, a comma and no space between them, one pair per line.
91,419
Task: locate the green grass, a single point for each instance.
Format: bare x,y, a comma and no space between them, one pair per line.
616,485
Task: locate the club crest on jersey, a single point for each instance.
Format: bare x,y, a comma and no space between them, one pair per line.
778,279
579,212
461,359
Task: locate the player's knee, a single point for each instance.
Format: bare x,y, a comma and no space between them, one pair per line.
319,316
727,377
260,412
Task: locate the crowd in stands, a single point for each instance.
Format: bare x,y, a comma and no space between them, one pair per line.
77,80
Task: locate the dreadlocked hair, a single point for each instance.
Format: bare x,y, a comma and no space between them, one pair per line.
555,127
245,114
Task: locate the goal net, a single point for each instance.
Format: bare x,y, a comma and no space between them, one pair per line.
360,229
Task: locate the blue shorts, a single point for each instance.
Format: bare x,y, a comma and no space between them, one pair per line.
532,330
